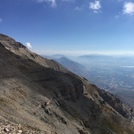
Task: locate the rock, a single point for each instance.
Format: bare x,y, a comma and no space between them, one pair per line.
6,130
19,131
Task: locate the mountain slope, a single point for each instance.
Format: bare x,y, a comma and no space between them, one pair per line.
46,98
73,66
107,72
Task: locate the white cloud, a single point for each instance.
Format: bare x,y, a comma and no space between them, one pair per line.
51,2
40,1
128,8
1,20
96,6
69,0
79,8
28,45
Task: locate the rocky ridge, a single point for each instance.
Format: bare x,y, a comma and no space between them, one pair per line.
46,98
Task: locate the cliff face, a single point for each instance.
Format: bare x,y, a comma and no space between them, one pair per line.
44,97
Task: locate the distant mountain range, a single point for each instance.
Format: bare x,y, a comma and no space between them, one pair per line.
107,72
73,66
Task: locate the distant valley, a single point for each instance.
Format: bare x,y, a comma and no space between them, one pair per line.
112,73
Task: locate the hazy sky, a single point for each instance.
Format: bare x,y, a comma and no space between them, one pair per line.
70,26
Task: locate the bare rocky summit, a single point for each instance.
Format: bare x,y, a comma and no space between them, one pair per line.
39,96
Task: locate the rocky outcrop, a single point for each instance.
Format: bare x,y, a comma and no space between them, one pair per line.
10,43
125,110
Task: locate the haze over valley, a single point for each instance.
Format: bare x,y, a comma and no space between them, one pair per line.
111,73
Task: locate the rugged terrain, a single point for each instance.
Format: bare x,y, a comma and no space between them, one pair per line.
109,73
38,95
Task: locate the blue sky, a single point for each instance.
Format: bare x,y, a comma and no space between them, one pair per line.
70,27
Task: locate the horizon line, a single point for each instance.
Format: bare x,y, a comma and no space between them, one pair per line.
80,53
